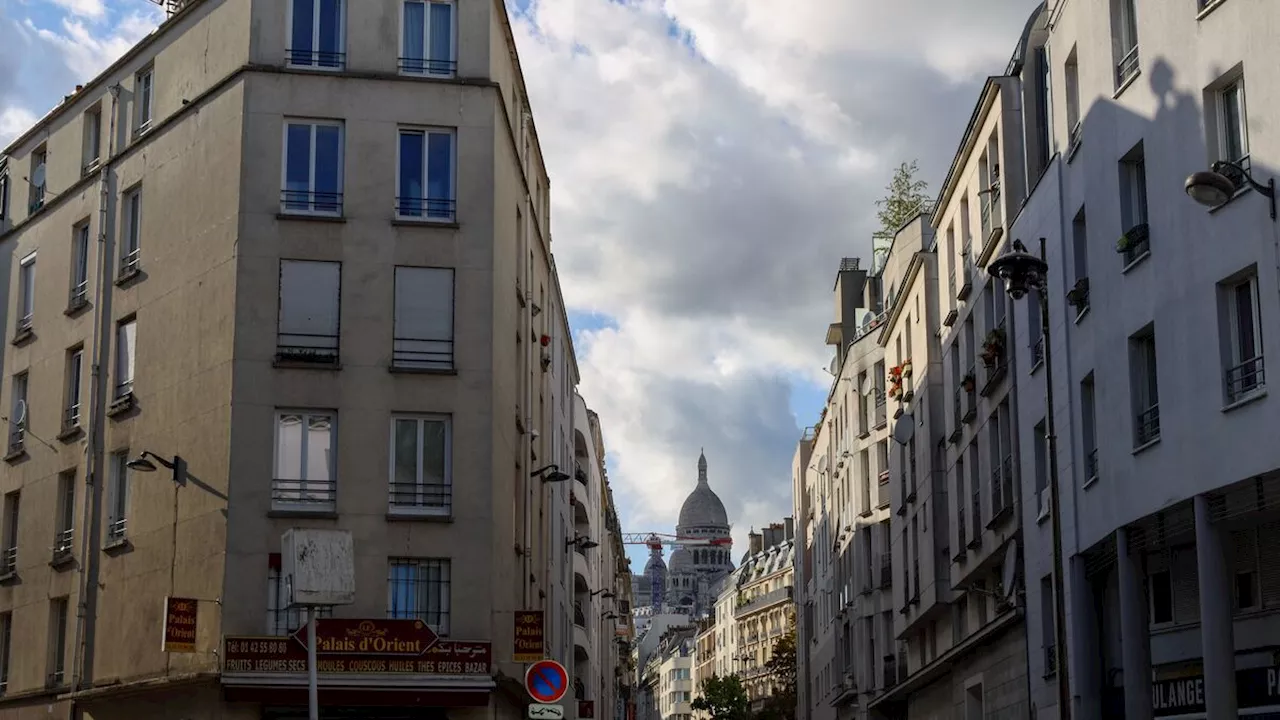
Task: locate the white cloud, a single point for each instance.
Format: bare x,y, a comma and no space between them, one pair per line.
13,122
93,9
87,53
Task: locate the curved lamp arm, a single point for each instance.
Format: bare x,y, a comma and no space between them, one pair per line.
1268,191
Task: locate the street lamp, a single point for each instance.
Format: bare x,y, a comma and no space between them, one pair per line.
1022,271
177,465
1213,187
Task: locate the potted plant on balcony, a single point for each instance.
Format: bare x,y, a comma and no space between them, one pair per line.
993,347
905,368
968,382
1129,240
1078,296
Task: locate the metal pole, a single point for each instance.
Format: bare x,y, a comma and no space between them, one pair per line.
313,689
1059,577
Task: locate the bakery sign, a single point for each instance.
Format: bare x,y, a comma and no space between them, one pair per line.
346,646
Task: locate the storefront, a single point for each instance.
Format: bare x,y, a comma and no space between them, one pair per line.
1257,695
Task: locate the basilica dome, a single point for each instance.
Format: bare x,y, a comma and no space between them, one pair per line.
703,508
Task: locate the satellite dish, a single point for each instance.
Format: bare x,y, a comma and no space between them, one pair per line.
865,320
904,428
1009,574
20,413
37,175
866,386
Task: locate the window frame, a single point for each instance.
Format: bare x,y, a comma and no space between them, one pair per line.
72,389
1242,124
451,64
6,649
317,55
123,388
324,355
1145,384
444,600
66,518
78,293
1233,357
403,358
420,505
313,204
19,392
144,91
26,305
130,231
92,138
302,487
11,506
59,623
424,210
116,529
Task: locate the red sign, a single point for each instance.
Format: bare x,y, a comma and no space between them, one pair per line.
529,642
180,616
586,708
546,681
336,636
284,656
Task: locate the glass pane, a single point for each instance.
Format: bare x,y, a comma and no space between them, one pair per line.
415,20
302,32
329,49
441,38
319,447
289,447
405,462
402,593
433,451
297,182
328,167
126,354
440,175
82,255
28,287
411,175
1246,348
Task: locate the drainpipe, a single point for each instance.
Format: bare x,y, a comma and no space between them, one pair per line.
527,321
96,418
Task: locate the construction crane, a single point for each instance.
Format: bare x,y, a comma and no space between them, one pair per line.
656,541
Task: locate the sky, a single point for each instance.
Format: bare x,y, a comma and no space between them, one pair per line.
711,162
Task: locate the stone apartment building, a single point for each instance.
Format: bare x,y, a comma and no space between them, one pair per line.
295,255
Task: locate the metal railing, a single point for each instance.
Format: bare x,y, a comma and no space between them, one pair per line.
1139,243
307,347
328,59
305,495
426,66
1074,137
9,560
17,438
422,353
1091,463
986,216
975,506
117,528
421,496
1128,66
1147,425
966,274
25,321
63,543
123,389
765,600
1244,378
130,261
71,416
579,473
1007,485
311,201
79,294
997,491
1037,352
438,209
960,526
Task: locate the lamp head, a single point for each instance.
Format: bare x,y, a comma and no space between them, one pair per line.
141,464
1210,188
1020,270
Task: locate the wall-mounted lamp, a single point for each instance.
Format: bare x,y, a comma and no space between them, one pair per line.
610,616
550,474
143,464
582,541
1213,187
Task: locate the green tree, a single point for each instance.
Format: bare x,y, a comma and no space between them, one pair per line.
724,698
781,705
905,197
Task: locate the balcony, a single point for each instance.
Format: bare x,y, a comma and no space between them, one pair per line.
304,202
304,495
579,473
1147,426
759,602
1091,465
966,275
1127,68
995,358
307,348
9,561
63,545
1244,379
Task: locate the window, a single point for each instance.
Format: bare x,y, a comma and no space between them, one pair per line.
310,302
1042,468
1049,642
130,232
1035,328
38,178
281,619
305,477
57,641
421,465
1233,128
144,93
26,293
1088,429
71,393
1124,40
423,335
126,341
6,649
427,44
79,296
316,34
1243,341
92,139
312,167
1160,588
65,532
1071,73
19,420
1044,108
9,524
1078,296
1134,243
1145,388
424,182
118,498
419,589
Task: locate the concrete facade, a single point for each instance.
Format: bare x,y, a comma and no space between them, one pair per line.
190,307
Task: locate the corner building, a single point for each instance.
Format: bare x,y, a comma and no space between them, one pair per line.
303,246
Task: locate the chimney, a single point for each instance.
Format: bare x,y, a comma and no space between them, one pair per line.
848,290
790,525
754,542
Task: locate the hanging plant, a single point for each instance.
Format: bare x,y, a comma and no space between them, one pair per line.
895,391
1078,296
906,367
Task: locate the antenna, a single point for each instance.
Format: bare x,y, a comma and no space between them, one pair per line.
38,175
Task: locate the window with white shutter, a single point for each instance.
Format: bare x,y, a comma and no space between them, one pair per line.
423,338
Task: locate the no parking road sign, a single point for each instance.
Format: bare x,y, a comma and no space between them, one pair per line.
546,681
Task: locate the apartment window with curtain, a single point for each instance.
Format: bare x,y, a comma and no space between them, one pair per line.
313,166
79,294
425,176
71,405
1242,336
1144,388
427,44
424,310
305,479
117,499
26,294
420,589
1134,243
310,309
316,34
126,354
421,465
1124,40
130,232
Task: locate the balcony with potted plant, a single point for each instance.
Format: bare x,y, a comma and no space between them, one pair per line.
1078,297
1134,245
994,358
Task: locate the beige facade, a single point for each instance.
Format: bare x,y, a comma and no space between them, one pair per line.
317,268
763,593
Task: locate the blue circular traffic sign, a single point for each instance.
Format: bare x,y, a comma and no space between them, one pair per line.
546,681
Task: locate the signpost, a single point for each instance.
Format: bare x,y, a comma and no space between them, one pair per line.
318,567
344,655
180,617
529,637
546,681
